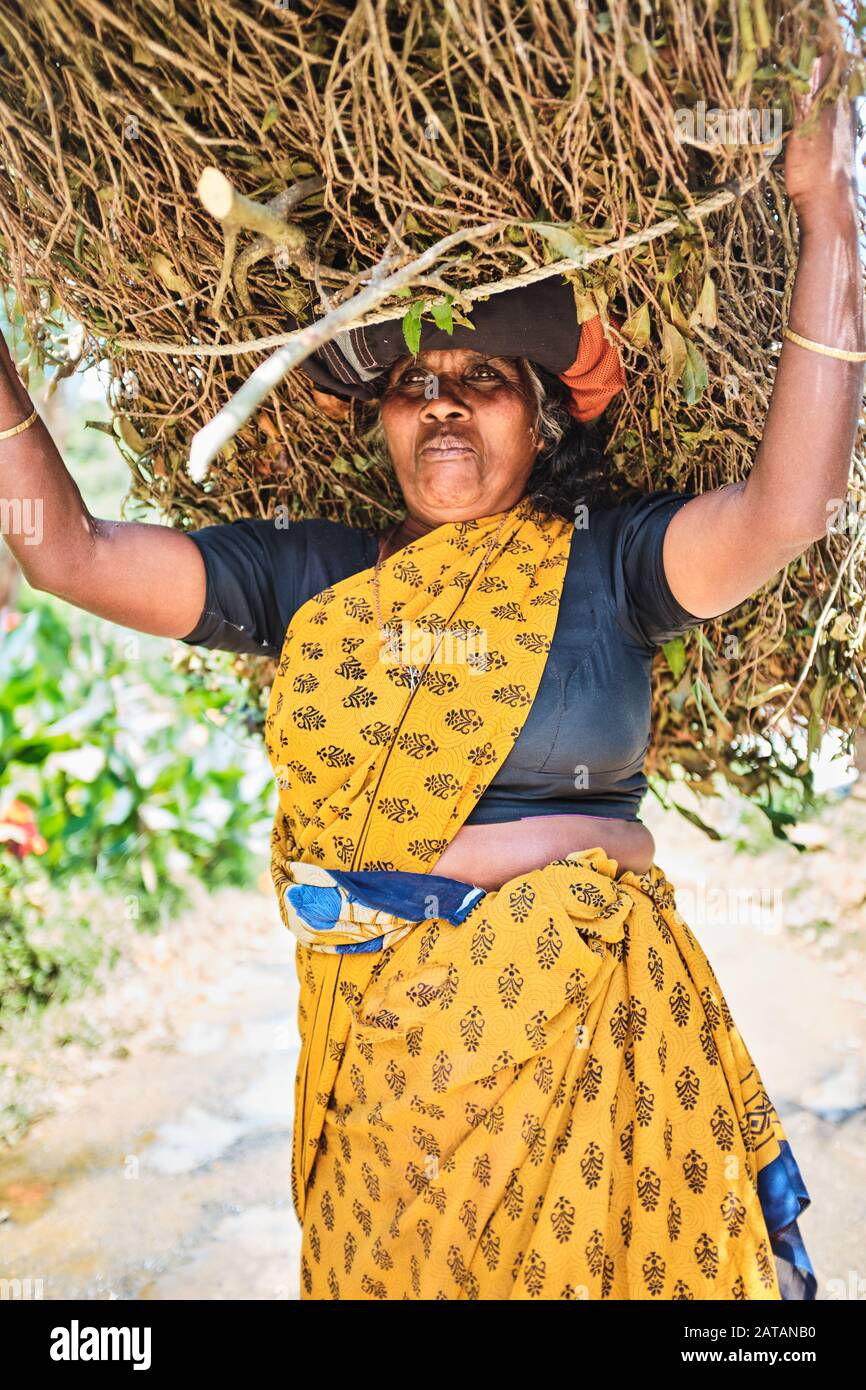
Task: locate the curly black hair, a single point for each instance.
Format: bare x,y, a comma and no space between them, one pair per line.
573,465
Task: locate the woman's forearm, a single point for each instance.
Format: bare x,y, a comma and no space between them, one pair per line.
801,471
137,573
44,519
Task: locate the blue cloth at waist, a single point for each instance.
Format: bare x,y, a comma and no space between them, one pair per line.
492,810
408,895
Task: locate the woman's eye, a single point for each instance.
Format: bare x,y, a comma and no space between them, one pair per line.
417,376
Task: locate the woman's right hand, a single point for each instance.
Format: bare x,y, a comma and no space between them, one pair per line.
820,167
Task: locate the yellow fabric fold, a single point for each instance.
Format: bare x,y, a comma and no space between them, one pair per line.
550,1100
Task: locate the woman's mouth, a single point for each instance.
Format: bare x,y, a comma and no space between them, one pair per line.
447,446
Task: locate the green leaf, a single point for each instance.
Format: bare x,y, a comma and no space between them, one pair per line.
696,820
412,325
711,701
747,32
636,56
675,655
443,316
637,327
816,703
746,70
763,32
696,691
271,116
673,350
705,309
694,376
813,741
561,239
806,59
673,266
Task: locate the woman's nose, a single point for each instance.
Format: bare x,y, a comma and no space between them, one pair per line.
446,398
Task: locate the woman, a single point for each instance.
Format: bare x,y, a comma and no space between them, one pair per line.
519,1077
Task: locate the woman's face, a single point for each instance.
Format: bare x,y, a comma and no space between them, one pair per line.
460,431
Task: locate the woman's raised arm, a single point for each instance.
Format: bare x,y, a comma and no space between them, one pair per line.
722,546
138,574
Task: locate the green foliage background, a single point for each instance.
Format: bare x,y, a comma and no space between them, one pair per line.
139,775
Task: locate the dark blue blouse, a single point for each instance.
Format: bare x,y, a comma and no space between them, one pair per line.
583,744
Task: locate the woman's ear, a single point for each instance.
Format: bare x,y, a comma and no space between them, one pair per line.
333,406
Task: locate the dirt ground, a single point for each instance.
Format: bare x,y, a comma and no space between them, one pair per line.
156,1163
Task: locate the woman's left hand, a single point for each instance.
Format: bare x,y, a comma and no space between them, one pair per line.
820,170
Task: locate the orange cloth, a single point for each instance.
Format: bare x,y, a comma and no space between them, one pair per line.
597,373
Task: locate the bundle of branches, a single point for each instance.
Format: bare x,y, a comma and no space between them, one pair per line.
401,157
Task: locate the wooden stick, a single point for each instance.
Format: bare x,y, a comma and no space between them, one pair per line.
236,212
231,208
207,443
281,204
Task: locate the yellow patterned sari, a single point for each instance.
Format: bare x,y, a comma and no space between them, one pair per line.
531,1093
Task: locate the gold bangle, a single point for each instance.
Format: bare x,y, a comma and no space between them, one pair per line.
19,429
825,351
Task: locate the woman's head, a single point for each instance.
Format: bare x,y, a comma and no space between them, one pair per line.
460,429
470,434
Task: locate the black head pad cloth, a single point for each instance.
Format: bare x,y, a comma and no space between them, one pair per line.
535,321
